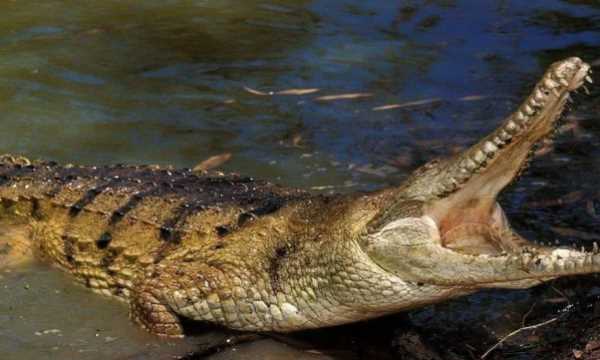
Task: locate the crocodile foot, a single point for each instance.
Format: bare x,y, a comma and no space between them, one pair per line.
152,314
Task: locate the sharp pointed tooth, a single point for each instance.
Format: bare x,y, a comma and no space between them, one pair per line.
498,141
520,117
589,79
556,265
526,259
595,247
440,189
528,110
463,175
448,187
479,157
555,92
504,135
469,164
568,98
563,82
550,84
588,259
463,172
512,127
489,148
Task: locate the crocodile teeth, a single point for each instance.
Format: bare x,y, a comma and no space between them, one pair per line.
489,148
589,79
498,141
564,82
447,187
595,247
512,127
534,103
504,135
550,84
526,259
539,96
588,261
469,164
479,157
439,188
463,176
521,117
528,110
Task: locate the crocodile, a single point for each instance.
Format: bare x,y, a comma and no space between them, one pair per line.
178,245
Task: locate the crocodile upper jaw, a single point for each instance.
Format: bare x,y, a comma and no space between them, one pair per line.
469,218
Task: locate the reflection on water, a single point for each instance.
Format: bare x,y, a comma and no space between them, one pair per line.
178,81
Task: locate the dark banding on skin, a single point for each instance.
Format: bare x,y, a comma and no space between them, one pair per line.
142,194
69,248
87,199
281,254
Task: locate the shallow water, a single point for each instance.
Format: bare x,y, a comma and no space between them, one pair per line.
174,82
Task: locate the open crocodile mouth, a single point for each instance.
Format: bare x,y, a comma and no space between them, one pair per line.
464,189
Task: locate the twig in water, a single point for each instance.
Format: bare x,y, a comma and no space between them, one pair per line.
530,327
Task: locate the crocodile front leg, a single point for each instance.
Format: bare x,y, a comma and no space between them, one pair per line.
220,292
149,308
174,289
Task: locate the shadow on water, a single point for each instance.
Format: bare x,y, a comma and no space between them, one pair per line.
175,82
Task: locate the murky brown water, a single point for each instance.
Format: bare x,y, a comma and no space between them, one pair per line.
175,82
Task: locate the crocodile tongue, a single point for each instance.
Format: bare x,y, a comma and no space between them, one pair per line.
464,189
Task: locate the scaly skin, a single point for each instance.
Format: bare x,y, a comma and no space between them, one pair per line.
254,256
